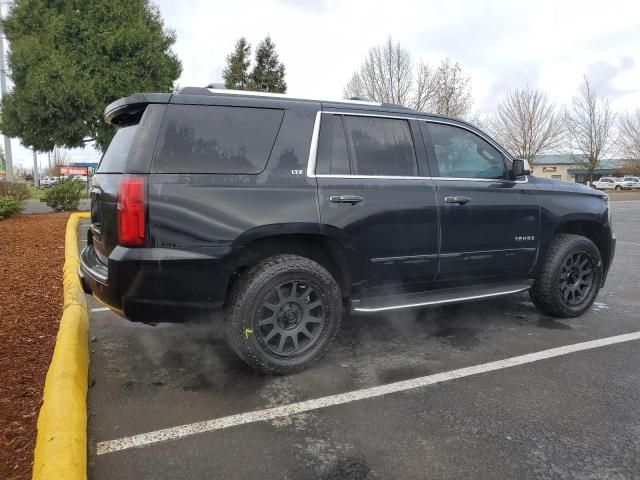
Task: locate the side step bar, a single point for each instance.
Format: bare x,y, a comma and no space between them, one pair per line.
440,297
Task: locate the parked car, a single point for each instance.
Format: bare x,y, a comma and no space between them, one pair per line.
47,182
612,183
635,181
288,214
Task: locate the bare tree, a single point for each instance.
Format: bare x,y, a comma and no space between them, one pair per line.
629,141
386,75
527,123
389,75
589,122
60,157
453,96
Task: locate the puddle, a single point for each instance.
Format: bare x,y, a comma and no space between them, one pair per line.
459,337
597,306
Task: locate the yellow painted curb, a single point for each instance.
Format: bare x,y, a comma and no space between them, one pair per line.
61,444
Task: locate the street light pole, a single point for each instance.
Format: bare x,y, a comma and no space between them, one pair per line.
3,89
36,174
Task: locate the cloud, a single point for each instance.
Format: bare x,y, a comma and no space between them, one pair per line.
502,44
603,74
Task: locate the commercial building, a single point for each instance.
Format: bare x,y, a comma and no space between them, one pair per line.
563,167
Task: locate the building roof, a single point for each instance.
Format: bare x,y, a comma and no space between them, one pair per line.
561,159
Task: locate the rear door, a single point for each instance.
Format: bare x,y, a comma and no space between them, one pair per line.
375,198
489,223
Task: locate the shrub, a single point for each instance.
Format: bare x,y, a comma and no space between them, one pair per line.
64,195
18,190
9,206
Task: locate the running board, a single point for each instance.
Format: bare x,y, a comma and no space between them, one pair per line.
440,297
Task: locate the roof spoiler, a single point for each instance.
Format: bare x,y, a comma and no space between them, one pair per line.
125,110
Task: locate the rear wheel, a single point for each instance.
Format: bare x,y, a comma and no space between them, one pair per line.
283,314
570,278
618,187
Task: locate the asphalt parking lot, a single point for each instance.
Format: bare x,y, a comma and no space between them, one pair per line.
573,415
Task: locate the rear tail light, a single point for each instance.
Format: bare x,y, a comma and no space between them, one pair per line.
131,211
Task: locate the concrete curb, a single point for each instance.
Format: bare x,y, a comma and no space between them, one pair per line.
61,444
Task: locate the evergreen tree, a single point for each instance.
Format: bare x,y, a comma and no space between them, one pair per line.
268,73
236,73
69,59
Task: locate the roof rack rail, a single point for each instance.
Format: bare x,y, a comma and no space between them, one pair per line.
194,91
395,105
212,89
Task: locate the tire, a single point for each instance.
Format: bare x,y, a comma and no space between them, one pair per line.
284,297
618,187
565,288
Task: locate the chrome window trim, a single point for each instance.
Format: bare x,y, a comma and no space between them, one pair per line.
313,150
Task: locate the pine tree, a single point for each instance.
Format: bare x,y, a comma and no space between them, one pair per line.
236,73
268,73
70,59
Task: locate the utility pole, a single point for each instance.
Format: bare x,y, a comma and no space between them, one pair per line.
3,88
36,174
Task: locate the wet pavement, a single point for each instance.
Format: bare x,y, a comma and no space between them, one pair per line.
573,416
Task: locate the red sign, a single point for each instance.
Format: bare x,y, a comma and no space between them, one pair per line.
74,170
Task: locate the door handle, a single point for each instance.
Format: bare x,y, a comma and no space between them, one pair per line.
350,199
457,200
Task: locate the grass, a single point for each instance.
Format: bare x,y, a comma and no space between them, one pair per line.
35,193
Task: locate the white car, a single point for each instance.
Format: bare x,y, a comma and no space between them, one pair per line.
634,180
612,183
49,181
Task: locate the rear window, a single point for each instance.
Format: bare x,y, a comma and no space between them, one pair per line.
380,146
115,158
214,139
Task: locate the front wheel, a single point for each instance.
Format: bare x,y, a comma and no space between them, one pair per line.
618,187
283,314
570,278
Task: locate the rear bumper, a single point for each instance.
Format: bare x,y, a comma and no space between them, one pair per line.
155,285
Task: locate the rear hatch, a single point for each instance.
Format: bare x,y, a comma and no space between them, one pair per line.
104,191
127,160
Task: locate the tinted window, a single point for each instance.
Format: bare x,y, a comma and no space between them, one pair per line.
332,147
212,139
115,158
380,146
463,154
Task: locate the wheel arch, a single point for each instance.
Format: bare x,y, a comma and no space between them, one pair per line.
307,243
594,231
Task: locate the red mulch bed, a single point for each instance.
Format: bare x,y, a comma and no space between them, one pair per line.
31,258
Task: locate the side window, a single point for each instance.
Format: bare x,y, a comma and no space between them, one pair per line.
380,146
332,157
463,154
215,139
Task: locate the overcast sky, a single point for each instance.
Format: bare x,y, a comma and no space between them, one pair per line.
500,44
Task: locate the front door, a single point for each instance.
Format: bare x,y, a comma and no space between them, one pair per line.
489,223
375,197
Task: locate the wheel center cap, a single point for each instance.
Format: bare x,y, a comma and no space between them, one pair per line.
573,276
289,316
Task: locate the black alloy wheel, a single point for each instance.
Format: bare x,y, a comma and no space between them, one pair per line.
576,278
290,319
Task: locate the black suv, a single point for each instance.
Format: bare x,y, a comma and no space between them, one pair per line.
290,213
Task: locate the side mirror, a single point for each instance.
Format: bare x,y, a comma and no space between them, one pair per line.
520,168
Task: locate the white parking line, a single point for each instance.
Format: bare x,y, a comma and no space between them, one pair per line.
342,398
100,309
